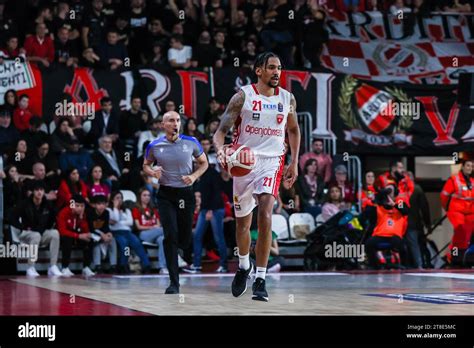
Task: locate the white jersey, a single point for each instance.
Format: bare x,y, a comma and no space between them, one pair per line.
262,122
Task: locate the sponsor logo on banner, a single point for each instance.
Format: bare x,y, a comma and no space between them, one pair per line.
374,120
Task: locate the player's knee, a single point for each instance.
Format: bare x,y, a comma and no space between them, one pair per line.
264,215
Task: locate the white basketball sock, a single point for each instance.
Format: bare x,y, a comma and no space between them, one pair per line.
261,271
244,261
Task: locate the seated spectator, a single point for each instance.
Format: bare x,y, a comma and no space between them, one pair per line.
76,158
12,190
156,36
96,185
112,53
214,110
34,216
66,51
22,159
11,50
211,128
289,197
106,122
311,188
63,137
219,22
179,56
133,122
224,54
147,223
40,47
34,135
123,28
340,174
388,220
204,54
49,160
154,131
158,57
39,175
111,163
71,186
368,190
74,231
190,129
249,56
121,223
334,203
210,186
98,220
324,160
22,115
10,101
8,133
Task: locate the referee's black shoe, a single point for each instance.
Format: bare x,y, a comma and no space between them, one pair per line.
172,289
259,291
239,284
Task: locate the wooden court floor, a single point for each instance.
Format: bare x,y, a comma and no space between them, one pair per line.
338,293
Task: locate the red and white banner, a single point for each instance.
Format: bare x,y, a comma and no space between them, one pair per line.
421,50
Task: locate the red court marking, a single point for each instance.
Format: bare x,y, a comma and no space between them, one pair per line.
23,299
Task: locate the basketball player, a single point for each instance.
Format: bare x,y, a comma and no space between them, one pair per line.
260,114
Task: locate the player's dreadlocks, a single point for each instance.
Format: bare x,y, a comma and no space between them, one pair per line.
262,60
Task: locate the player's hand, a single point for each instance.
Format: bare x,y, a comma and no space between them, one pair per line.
291,174
189,179
222,154
155,173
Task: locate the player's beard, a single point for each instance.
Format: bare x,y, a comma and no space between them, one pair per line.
272,83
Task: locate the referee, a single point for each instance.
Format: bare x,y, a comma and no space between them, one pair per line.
174,154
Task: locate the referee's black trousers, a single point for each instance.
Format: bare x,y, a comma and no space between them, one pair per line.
176,208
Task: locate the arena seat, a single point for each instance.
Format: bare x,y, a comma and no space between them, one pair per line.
128,196
280,226
301,219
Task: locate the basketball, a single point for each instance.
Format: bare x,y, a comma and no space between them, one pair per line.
240,160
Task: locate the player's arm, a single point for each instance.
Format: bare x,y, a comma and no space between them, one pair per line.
294,138
228,119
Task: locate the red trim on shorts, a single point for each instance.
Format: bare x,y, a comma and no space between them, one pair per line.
278,175
255,88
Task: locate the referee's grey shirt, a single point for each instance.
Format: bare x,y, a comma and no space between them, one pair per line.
175,158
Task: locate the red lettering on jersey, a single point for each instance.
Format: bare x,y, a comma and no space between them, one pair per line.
257,105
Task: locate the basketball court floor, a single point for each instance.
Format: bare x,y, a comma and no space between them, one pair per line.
391,293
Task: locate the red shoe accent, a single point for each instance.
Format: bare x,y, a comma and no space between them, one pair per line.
212,255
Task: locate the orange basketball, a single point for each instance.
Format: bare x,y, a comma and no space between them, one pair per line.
240,160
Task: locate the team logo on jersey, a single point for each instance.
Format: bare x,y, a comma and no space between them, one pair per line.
280,118
161,149
256,116
280,107
185,147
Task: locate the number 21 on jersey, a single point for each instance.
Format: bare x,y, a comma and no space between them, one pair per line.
267,181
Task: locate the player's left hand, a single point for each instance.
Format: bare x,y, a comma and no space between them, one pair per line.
188,179
291,174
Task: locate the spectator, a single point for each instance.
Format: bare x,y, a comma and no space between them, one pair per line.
396,174
419,218
63,19
190,129
63,137
21,158
123,28
66,51
44,16
11,50
10,101
290,198
334,203
40,47
8,133
238,27
96,185
340,174
34,135
49,160
249,56
155,131
34,217
179,56
210,186
98,220
311,188
138,28
211,128
106,122
112,165
220,23
76,158
12,190
90,59
214,110
456,5
112,53
74,231
314,34
204,54
121,223
399,7
156,36
93,27
223,52
147,223
70,187
133,122
158,58
277,33
257,24
368,190
22,115
324,160
39,175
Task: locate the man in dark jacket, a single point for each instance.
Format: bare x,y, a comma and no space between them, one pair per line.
105,122
34,217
